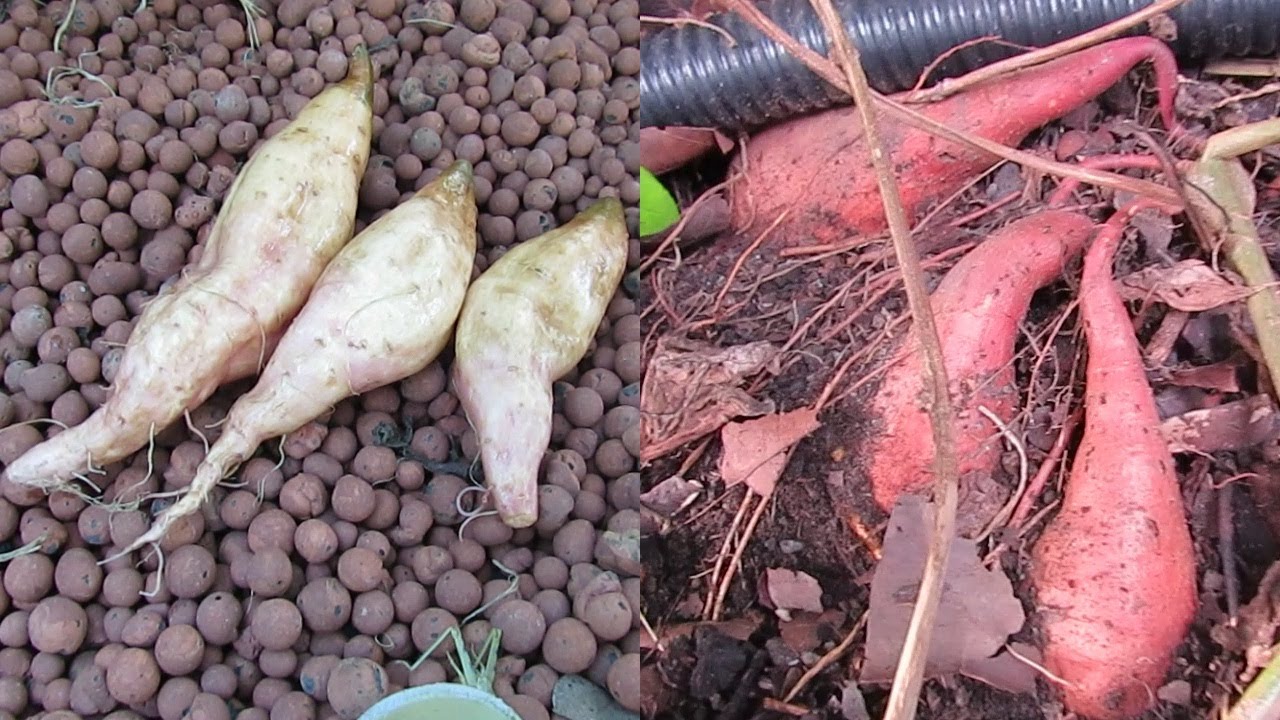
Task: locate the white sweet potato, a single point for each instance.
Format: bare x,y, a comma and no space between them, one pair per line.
382,311
527,321
290,210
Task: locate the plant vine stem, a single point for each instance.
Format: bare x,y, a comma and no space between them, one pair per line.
908,678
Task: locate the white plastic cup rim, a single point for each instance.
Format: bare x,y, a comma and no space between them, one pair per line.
487,706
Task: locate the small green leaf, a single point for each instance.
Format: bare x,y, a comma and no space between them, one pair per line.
658,210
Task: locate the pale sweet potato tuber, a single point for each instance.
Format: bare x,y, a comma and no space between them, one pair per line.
1115,570
818,167
526,322
382,310
977,306
290,210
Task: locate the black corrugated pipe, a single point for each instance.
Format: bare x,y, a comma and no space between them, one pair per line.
691,77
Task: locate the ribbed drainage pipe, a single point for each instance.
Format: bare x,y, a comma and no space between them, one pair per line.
690,76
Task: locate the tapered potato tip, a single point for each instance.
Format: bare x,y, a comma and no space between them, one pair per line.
605,210
360,74
456,182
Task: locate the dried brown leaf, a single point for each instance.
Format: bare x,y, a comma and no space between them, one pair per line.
1189,285
1220,376
694,388
739,628
671,495
806,631
793,590
1253,633
755,451
977,614
1230,426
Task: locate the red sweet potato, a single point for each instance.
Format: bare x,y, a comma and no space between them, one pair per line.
1115,570
665,149
977,306
819,166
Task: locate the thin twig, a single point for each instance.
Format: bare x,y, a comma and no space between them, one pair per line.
742,260
1007,511
674,234
1227,548
985,210
931,67
726,581
1048,351
1035,666
909,677
785,708
709,611
653,636
678,21
1041,478
1250,67
948,88
1267,89
826,660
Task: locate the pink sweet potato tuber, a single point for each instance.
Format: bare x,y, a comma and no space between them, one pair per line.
1115,570
977,306
819,166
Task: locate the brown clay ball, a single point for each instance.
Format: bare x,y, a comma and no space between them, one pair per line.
355,684
315,541
218,618
270,572
522,624
458,591
179,650
624,681
133,677
569,646
29,578
325,605
360,570
277,624
57,625
190,571
78,575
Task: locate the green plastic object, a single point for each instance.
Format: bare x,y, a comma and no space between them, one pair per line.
440,701
658,209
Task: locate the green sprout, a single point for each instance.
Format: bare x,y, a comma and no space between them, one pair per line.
478,671
658,209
